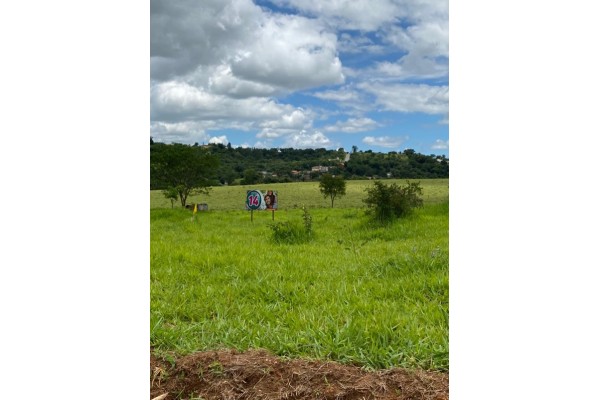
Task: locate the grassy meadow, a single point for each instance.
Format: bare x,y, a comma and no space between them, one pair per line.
375,296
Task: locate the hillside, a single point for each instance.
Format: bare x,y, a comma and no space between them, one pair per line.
255,165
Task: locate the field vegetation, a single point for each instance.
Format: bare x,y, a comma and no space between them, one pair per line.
355,292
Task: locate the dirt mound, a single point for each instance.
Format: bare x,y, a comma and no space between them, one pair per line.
257,374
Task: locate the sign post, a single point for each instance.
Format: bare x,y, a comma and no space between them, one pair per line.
256,200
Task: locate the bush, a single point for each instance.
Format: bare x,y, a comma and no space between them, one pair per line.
290,233
387,202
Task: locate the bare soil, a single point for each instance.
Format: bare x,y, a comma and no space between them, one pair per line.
257,374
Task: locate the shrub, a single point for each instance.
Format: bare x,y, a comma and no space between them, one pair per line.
388,202
292,232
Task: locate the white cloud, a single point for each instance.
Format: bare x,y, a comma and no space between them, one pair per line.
225,83
179,132
220,64
290,52
242,50
185,33
365,15
218,140
440,144
177,100
353,125
287,124
353,44
342,95
308,140
409,98
384,141
427,50
348,98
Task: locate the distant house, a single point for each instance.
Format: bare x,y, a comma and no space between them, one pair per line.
319,168
295,172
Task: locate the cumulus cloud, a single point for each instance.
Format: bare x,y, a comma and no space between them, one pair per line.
409,97
355,44
226,64
353,125
179,100
242,50
384,141
303,140
218,140
349,14
223,82
185,34
290,52
427,50
224,61
349,98
179,132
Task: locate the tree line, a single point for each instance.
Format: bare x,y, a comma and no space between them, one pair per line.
176,165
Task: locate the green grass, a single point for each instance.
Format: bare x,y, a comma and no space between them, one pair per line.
371,296
294,195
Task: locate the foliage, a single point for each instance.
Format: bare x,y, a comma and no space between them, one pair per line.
278,164
332,186
388,202
172,194
186,169
289,232
250,177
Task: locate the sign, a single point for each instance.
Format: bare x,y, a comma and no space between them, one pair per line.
256,200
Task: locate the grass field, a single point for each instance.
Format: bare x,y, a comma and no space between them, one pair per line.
356,293
294,195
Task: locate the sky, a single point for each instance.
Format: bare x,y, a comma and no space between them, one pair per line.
301,73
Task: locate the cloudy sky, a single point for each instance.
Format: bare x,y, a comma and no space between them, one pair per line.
301,73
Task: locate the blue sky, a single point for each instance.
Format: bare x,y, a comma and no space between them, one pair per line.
301,73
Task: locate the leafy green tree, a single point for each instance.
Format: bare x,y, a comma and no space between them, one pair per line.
187,169
250,177
171,194
388,202
332,186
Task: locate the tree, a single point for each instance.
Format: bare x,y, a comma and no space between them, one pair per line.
250,177
186,169
388,202
332,186
171,194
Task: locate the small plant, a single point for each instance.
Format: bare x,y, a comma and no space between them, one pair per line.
388,202
307,218
291,232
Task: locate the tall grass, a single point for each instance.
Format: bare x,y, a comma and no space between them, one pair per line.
372,296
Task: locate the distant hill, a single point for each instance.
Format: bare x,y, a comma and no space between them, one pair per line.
240,165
